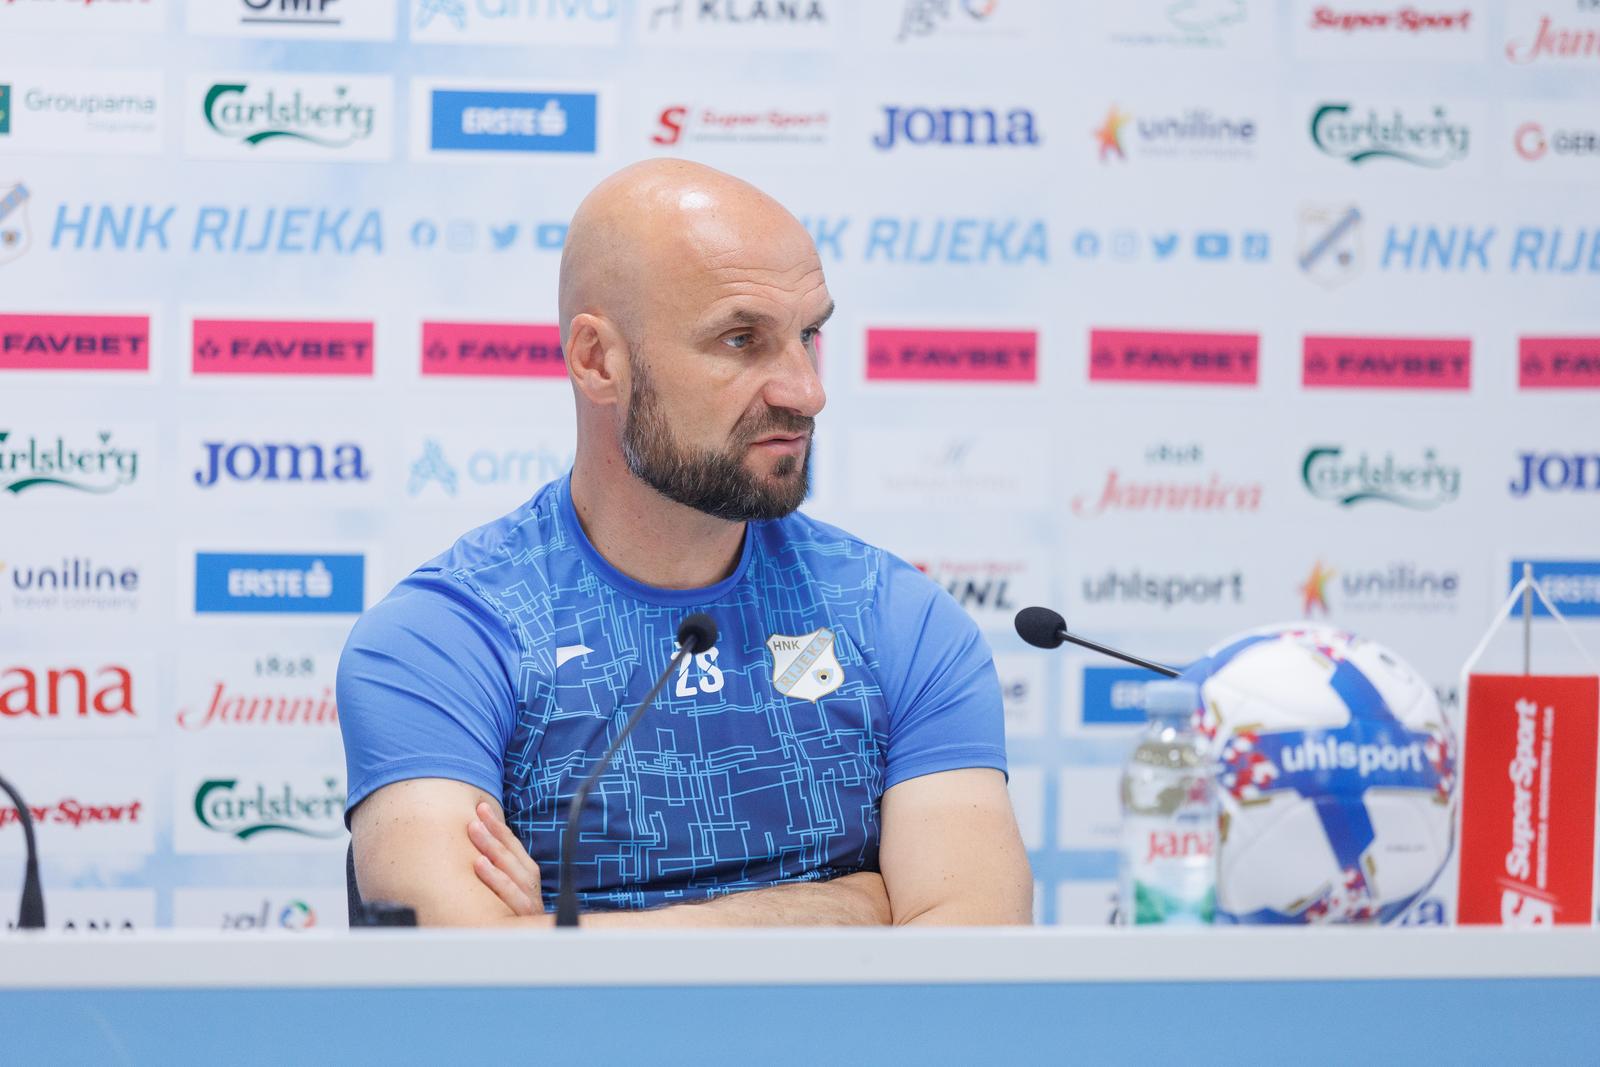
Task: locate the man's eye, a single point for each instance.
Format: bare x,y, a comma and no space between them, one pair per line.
810,334
742,340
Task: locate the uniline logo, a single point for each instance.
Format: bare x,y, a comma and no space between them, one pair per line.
38,462
1197,133
1399,586
75,342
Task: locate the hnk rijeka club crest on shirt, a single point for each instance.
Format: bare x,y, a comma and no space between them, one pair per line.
805,667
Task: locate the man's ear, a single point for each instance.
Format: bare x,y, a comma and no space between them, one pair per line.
597,359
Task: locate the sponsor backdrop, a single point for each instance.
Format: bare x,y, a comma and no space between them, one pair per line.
1181,315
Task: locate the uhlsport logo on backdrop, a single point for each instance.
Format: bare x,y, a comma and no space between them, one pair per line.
492,350
1190,357
247,807
279,583
72,695
1197,133
1565,32
1181,483
74,342
89,111
280,463
256,693
765,23
542,22
512,121
37,585
94,462
1365,133
1572,585
918,355
1166,245
1164,590
498,465
743,125
1538,473
1442,363
282,347
956,127
319,117
1558,362
1347,478
359,20
1394,586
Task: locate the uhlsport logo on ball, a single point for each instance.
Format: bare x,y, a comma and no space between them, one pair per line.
1337,774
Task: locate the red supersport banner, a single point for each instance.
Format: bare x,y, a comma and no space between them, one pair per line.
1528,798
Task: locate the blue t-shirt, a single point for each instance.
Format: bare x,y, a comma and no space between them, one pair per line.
511,661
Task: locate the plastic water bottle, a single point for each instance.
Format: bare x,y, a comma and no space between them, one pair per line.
1169,816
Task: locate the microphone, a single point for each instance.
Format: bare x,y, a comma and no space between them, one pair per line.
695,634
31,915
1043,628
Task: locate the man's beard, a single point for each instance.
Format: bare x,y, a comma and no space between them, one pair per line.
716,483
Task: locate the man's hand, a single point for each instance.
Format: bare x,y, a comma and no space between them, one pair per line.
503,864
505,867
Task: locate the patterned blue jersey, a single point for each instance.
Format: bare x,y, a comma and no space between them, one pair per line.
511,661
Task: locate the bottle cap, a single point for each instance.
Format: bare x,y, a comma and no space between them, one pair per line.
1169,699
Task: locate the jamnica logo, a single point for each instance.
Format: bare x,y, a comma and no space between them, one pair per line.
66,692
226,707
1556,40
1178,845
1199,494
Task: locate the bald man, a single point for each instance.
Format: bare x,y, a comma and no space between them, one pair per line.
837,757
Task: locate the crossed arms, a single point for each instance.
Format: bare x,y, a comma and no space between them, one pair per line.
949,855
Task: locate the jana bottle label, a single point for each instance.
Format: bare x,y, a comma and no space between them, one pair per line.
1171,871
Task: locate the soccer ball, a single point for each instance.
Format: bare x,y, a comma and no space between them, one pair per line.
1336,771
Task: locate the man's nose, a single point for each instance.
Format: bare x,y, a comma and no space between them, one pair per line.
797,385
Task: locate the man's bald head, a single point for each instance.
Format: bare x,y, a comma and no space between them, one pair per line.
645,230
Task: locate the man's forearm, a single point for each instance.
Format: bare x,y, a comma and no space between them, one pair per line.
851,900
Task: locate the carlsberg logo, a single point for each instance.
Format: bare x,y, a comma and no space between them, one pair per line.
329,118
244,810
1329,473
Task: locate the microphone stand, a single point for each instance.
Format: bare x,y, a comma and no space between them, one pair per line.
30,916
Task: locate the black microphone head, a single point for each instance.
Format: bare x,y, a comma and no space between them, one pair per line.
1041,627
697,633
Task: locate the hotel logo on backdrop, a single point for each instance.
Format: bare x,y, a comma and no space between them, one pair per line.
255,583
282,347
1332,474
917,355
316,117
512,121
74,342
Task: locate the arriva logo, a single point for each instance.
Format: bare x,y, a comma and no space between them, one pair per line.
280,463
485,468
1329,475
226,806
516,21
